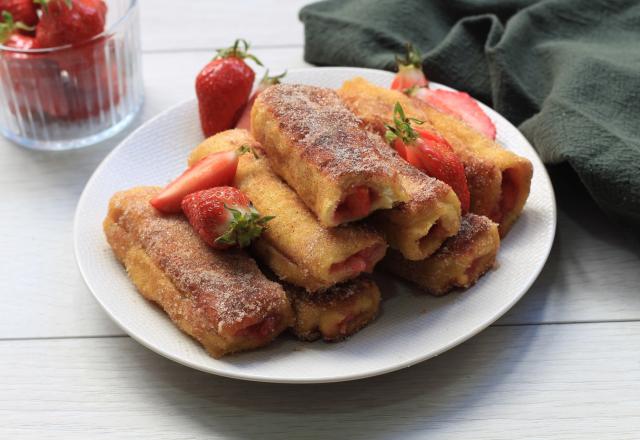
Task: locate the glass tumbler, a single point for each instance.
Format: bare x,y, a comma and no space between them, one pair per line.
75,95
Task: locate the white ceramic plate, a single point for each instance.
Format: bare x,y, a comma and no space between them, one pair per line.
411,328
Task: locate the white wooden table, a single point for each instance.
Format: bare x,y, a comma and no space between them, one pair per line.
563,363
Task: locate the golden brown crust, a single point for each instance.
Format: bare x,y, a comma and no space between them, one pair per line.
418,227
317,146
460,262
338,313
211,295
489,167
295,245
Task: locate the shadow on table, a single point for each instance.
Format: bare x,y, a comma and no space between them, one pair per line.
585,236
576,204
67,170
429,394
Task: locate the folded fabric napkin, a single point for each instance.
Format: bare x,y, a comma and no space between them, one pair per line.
567,72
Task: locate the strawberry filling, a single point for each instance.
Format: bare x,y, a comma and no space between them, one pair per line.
347,325
261,329
356,204
362,261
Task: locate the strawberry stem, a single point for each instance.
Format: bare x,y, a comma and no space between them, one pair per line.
235,52
401,127
45,4
246,149
412,57
8,26
271,80
244,227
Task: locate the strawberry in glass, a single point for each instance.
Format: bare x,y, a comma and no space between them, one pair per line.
11,35
23,11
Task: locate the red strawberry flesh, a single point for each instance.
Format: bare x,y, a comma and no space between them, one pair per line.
216,169
440,161
363,261
408,77
461,105
356,204
23,11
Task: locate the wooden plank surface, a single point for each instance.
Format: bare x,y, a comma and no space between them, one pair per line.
207,24
40,283
67,372
525,382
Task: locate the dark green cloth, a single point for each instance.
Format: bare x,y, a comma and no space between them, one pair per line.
567,72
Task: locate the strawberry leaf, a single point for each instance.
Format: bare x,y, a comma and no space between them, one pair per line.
236,52
8,26
402,127
267,80
412,57
243,227
246,149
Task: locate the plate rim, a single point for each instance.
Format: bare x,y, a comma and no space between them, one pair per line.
540,169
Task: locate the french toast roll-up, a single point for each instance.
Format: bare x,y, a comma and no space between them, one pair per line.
459,263
419,226
499,180
318,147
295,245
338,313
220,298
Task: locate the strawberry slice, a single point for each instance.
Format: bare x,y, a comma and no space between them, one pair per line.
266,82
217,169
410,72
429,152
460,105
440,161
223,217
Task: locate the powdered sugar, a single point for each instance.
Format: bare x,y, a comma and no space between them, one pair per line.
470,226
325,132
227,286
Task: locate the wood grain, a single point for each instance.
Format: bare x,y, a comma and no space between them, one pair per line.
208,24
569,381
552,381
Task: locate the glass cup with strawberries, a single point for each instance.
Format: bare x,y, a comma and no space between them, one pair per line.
70,71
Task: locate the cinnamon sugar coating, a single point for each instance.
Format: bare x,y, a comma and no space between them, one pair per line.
210,294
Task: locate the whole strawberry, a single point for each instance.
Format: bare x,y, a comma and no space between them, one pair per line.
223,217
10,34
23,11
223,88
70,21
410,72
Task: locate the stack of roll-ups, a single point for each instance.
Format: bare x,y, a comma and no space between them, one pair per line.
342,201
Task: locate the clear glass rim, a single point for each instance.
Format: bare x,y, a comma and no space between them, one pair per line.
106,34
